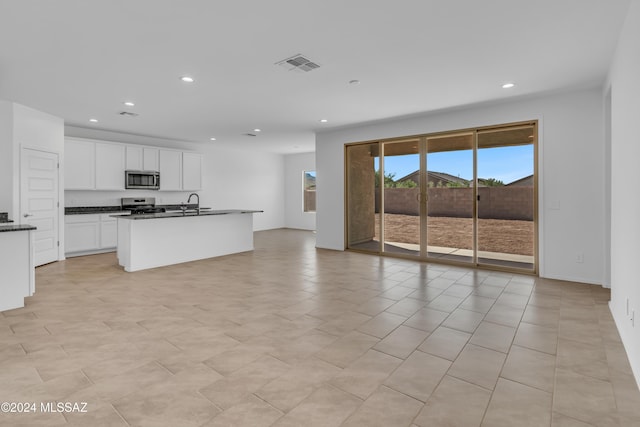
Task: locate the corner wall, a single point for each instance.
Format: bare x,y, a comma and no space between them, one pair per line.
570,173
7,175
295,165
239,179
625,197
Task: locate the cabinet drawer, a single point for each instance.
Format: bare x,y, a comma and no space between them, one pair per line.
108,217
75,219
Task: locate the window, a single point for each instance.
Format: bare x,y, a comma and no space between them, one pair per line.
309,193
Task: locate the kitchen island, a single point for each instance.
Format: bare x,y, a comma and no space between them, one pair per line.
17,280
159,239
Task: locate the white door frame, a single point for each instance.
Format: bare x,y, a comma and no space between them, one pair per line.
60,196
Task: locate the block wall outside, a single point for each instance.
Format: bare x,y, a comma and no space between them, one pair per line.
309,200
361,194
514,203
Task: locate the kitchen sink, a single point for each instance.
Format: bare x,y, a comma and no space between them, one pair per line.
188,211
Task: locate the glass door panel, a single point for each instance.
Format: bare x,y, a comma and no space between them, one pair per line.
450,197
506,195
362,192
401,199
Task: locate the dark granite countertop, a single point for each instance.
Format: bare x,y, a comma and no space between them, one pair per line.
92,210
16,227
188,213
82,210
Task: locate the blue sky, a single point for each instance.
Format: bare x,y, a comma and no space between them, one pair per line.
504,163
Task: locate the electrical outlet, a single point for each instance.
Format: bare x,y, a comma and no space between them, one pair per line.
580,258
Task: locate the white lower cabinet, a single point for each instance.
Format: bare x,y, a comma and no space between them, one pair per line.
81,233
90,233
108,233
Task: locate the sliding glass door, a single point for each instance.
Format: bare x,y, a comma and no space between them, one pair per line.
464,197
401,197
450,207
506,197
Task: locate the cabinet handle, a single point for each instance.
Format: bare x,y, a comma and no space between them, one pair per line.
27,215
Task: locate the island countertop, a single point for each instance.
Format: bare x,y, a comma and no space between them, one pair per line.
15,227
188,213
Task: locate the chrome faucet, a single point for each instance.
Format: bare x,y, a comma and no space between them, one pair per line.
197,204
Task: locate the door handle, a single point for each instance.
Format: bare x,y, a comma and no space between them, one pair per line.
27,215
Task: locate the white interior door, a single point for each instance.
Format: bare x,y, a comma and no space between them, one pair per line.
39,201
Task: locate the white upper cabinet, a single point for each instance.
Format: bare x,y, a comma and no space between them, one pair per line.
134,158
79,165
191,171
142,158
170,170
150,159
110,162
97,165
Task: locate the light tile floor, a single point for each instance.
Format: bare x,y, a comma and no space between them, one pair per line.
289,335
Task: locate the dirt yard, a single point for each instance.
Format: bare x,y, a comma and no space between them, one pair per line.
494,235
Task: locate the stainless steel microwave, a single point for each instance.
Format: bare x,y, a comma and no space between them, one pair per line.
148,180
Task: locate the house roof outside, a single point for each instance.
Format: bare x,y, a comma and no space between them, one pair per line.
435,177
446,178
527,181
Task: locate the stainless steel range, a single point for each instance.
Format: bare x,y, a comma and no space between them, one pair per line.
140,205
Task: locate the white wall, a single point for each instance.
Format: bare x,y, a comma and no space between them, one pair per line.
24,127
231,179
571,190
7,175
625,197
295,165
239,179
40,131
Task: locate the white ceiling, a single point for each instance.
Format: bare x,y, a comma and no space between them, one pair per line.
79,59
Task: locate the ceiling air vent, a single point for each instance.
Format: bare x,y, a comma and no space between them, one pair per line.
298,63
128,114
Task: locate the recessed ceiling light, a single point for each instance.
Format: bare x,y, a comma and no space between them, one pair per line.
323,120
257,130
93,120
187,79
129,103
212,139
508,85
354,82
